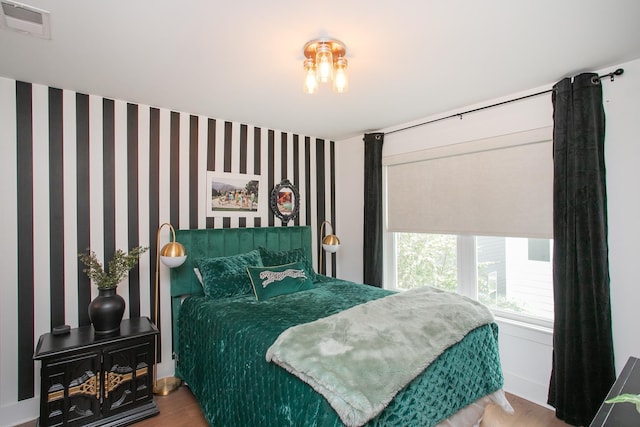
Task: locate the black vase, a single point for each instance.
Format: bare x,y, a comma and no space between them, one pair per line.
106,311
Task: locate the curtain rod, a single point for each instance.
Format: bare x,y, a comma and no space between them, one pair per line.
612,75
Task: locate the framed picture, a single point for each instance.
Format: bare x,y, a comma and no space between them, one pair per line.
285,201
235,195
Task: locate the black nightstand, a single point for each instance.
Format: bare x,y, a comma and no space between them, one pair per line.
93,381
621,414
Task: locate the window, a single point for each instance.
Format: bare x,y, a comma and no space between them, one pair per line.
512,276
443,201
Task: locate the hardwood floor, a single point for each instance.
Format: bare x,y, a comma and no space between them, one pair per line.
527,414
180,409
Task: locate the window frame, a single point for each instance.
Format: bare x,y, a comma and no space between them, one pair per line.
467,273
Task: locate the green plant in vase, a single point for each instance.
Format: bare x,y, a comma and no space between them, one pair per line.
107,309
118,267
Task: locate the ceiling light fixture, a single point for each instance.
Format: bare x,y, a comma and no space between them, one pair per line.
324,60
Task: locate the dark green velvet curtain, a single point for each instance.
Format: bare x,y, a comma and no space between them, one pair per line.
373,231
583,364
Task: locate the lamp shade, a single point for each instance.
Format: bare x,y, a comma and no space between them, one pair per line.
310,82
324,62
331,243
173,254
340,81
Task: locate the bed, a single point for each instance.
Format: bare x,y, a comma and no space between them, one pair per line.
221,344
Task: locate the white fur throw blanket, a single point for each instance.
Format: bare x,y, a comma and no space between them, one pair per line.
360,358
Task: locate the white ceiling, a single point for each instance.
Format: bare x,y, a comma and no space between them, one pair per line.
242,60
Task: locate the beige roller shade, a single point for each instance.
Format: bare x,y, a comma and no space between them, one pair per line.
500,186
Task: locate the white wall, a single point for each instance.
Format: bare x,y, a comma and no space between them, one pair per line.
622,105
526,352
350,207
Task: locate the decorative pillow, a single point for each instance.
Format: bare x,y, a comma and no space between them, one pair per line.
271,257
277,280
227,276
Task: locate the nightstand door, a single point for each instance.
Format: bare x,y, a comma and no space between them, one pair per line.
70,390
128,375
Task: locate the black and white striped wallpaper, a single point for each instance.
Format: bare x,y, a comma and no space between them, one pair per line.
82,171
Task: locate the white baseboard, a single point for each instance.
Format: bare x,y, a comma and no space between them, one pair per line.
20,412
527,389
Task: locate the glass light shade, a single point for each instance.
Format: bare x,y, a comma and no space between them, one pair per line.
324,63
331,243
173,261
173,254
340,81
310,82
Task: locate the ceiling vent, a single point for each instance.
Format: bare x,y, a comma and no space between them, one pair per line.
25,19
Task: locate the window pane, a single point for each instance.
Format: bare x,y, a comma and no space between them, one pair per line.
539,250
511,279
514,275
426,259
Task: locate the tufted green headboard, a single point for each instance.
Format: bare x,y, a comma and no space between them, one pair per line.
224,242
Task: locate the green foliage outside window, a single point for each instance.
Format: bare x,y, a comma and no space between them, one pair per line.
426,260
431,260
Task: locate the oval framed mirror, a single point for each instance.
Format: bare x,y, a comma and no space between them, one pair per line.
285,201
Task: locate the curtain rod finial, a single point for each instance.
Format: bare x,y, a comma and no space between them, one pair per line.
617,72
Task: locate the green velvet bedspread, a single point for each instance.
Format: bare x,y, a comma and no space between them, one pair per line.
222,358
